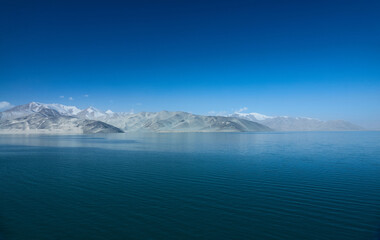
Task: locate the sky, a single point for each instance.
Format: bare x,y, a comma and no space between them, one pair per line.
317,59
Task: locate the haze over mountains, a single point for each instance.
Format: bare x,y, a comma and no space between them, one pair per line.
57,118
285,123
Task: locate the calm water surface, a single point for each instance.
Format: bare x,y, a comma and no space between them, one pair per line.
191,186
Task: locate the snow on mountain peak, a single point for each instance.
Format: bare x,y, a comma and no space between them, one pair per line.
63,109
90,109
168,121
257,116
34,106
90,113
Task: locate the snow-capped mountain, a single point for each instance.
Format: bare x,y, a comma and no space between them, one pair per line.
285,123
33,116
90,113
253,116
34,107
64,110
165,121
46,120
30,116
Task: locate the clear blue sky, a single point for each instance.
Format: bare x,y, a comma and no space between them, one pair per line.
298,58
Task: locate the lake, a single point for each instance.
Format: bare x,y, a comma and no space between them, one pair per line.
295,185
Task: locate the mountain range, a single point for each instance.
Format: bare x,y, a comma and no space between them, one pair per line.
57,118
285,123
47,120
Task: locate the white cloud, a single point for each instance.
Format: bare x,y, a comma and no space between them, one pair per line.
61,96
86,95
71,98
242,110
4,105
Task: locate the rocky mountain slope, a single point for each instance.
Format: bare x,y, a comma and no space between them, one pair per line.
45,120
39,117
59,118
165,121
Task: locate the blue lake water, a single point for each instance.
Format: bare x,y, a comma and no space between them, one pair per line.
316,185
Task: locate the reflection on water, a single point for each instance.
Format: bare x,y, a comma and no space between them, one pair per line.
236,143
321,185
304,144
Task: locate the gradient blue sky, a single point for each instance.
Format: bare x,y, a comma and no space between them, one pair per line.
299,58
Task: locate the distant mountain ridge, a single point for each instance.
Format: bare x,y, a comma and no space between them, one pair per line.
166,121
285,123
57,118
40,117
